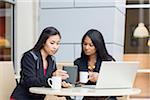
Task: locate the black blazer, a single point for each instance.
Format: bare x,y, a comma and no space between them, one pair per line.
32,75
83,66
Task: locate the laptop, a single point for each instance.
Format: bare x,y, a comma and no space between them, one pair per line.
72,71
119,74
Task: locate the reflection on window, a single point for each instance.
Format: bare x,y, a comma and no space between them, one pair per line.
6,31
137,1
132,44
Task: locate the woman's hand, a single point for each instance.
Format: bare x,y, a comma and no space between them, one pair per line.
93,76
61,73
66,85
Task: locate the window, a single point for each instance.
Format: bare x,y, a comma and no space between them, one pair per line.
132,44
6,30
133,17
137,1
136,49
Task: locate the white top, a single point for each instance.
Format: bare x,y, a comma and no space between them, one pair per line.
81,91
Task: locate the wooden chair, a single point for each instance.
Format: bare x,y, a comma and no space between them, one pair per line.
61,64
7,79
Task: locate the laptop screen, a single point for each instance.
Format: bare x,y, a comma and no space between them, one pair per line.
119,74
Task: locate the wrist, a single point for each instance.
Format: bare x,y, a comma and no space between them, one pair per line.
54,74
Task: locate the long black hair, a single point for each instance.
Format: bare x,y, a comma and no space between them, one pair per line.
99,43
46,33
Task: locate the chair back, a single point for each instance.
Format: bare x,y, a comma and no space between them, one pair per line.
7,79
65,63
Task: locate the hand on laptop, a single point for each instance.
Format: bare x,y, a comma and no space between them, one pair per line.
93,76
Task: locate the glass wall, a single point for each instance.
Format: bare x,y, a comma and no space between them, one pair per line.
132,44
137,2
137,48
6,30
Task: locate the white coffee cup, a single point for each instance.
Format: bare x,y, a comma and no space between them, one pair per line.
83,76
55,82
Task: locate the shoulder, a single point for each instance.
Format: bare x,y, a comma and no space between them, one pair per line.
27,60
77,61
29,55
26,54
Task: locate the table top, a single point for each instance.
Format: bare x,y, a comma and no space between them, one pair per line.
82,91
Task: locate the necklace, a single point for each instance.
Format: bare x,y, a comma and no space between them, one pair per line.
91,67
91,63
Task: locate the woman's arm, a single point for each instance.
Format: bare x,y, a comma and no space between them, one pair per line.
93,76
61,73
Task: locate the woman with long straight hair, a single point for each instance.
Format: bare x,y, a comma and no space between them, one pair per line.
93,53
38,64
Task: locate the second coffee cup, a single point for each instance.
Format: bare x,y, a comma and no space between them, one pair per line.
83,76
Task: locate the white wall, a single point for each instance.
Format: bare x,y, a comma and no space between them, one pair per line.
25,28
74,19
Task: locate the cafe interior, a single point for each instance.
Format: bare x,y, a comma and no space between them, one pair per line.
125,25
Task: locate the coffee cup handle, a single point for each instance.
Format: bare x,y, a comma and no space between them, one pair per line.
50,79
